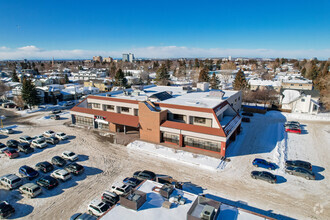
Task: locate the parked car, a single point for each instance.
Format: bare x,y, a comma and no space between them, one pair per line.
121,189
49,133
7,131
110,198
68,104
245,119
39,143
3,148
291,123
56,111
58,161
55,117
10,181
61,174
247,113
68,155
264,164
264,175
25,139
9,105
12,143
293,130
132,181
52,140
61,136
29,172
74,168
302,172
97,207
11,153
144,175
44,166
82,216
40,136
25,148
48,182
298,163
6,209
30,189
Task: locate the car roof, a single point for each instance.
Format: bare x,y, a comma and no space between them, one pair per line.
10,176
31,185
97,202
67,151
61,171
110,193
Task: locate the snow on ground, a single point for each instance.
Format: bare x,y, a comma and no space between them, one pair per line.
201,161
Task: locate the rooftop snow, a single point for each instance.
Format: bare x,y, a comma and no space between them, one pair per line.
290,96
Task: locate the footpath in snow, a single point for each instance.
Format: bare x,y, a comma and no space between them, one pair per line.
201,161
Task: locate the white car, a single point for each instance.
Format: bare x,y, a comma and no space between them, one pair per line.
68,155
7,131
25,139
39,143
121,189
49,133
97,207
61,136
61,174
40,136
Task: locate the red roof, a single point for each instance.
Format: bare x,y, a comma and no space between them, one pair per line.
193,128
116,118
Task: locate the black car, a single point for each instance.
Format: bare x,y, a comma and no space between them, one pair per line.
47,182
2,146
44,166
110,198
302,172
245,119
264,175
55,117
247,114
25,148
58,161
52,140
56,111
144,175
74,168
6,209
12,143
298,163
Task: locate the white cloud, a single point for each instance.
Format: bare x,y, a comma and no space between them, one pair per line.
33,52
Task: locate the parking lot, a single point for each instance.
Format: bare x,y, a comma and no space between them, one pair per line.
107,163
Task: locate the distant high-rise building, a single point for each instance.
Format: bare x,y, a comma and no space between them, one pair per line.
107,59
97,58
128,57
229,58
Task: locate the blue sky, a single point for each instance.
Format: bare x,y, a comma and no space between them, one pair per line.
79,28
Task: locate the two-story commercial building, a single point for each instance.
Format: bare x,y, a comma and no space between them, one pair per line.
206,120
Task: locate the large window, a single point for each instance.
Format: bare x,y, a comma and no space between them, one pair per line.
173,138
178,117
103,126
125,109
80,120
96,105
199,120
203,144
110,108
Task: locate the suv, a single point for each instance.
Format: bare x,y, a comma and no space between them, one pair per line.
144,175
97,207
110,198
298,163
49,133
47,182
52,140
61,175
25,139
68,155
11,153
264,175
6,209
58,161
121,189
61,136
25,148
12,143
39,143
74,168
44,166
29,172
10,181
30,189
132,181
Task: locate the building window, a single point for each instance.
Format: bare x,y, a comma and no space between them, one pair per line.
136,112
292,85
239,98
96,105
178,117
199,120
84,121
125,109
110,107
172,138
300,84
202,144
302,100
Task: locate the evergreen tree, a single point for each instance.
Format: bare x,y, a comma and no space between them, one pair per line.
240,81
66,78
120,79
29,93
14,77
214,81
204,75
162,75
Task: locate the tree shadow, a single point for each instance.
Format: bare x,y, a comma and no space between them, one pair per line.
82,157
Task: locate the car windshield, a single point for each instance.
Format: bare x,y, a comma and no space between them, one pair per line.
104,208
16,180
29,169
40,141
35,189
2,205
71,154
28,138
61,134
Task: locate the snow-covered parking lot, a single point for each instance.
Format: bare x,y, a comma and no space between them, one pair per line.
105,163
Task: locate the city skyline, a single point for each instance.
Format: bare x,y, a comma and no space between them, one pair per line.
43,29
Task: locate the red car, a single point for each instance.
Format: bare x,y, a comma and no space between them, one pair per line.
11,153
293,130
